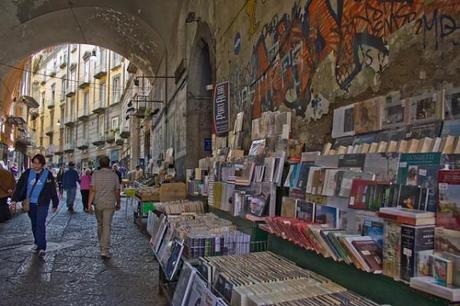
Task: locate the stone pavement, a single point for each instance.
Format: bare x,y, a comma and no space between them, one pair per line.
72,272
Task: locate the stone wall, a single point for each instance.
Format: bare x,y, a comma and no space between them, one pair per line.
308,57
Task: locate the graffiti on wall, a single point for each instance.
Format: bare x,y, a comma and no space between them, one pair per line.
290,48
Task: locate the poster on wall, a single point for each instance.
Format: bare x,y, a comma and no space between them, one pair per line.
221,108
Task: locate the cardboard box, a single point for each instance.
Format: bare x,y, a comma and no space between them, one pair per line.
173,192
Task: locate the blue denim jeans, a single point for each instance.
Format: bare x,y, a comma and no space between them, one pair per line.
71,193
37,215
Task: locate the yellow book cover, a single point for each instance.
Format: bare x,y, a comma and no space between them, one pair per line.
403,146
365,148
448,147
383,147
373,148
413,146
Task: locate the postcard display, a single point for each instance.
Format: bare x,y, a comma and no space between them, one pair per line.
384,196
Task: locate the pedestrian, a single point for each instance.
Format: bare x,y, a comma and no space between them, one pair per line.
59,178
139,174
38,187
105,194
85,183
7,185
117,172
69,183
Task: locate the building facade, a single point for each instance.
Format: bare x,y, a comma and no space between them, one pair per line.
79,90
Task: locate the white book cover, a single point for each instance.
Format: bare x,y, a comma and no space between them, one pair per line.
343,122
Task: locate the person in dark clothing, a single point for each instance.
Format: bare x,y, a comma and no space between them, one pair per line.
69,183
115,169
7,185
38,186
59,178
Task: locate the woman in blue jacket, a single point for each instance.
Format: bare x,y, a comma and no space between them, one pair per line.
38,185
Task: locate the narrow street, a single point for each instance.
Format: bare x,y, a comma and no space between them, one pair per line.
72,272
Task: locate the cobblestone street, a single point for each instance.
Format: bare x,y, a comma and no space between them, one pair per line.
72,272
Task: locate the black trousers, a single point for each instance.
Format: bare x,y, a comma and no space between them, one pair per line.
4,210
84,198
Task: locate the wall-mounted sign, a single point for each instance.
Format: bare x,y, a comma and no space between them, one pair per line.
221,108
208,145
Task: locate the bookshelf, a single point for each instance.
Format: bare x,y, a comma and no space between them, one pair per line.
379,288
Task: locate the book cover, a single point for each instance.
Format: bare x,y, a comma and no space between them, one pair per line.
424,263
303,175
311,174
411,197
330,182
196,291
305,211
448,214
394,111
447,240
371,252
425,108
391,249
450,128
359,193
318,181
343,123
367,115
450,161
442,270
352,161
383,165
328,161
258,204
413,146
288,207
451,103
374,228
425,145
345,181
436,144
329,215
183,285
373,148
403,146
365,147
447,146
455,258
421,169
208,298
413,240
174,259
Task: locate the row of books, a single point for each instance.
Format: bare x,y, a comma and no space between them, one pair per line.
352,248
447,145
201,235
179,207
390,111
265,278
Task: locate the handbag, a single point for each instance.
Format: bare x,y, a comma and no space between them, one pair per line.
26,202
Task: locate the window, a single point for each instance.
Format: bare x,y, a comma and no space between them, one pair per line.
84,132
53,93
51,119
116,59
43,101
116,89
85,102
101,128
115,123
86,71
102,94
63,87
73,79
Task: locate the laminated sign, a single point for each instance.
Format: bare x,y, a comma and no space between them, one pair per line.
221,108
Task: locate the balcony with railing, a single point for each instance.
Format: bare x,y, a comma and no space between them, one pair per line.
118,140
82,144
84,114
51,104
69,120
50,151
99,107
49,131
110,136
26,138
99,139
85,81
100,69
69,147
70,90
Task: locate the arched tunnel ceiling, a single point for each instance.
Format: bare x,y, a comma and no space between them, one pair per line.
137,29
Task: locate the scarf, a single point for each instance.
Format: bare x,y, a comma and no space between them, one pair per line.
38,187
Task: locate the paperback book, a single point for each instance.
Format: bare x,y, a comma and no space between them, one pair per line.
448,214
421,169
367,115
343,123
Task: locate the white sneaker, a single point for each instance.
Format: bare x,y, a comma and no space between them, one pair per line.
34,248
41,253
105,255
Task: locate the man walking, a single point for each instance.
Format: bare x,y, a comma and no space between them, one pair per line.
105,194
69,183
7,185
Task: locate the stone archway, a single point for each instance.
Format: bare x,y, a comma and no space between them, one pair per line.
202,72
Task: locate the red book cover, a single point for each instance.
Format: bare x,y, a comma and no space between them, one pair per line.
371,253
358,193
448,211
